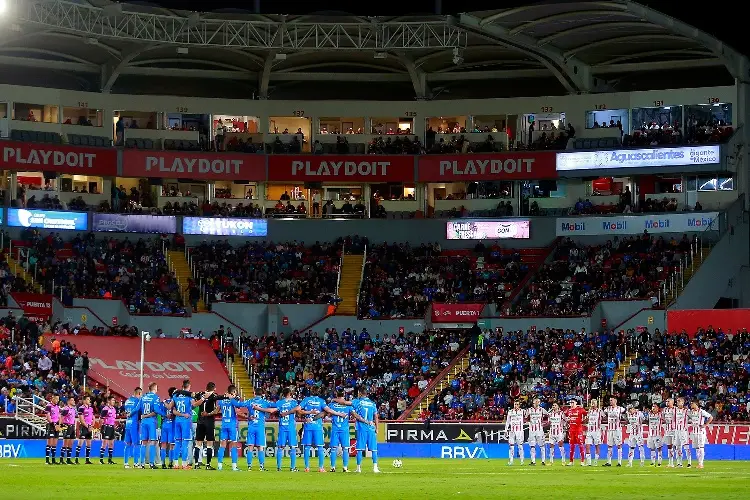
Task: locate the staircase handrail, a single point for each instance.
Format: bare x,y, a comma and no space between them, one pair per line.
361,277
414,404
341,265
23,403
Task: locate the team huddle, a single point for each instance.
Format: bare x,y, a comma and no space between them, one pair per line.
678,428
178,433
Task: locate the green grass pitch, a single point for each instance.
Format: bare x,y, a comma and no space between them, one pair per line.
418,478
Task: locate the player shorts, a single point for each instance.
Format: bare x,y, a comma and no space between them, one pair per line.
614,438
313,437
167,432
256,436
69,431
575,436
681,438
52,432
367,439
668,438
287,437
594,438
513,438
205,431
654,442
556,437
536,438
108,433
183,431
698,439
84,432
228,432
340,438
148,429
635,441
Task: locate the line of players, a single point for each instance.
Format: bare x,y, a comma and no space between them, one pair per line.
676,427
141,413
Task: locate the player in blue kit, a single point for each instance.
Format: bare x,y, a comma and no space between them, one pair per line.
258,408
132,408
287,408
167,430
182,409
312,406
150,404
340,432
228,434
366,414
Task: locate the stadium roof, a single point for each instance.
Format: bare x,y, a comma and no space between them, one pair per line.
540,49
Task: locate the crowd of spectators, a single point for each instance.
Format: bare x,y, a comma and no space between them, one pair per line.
268,272
580,276
662,134
102,267
396,369
401,280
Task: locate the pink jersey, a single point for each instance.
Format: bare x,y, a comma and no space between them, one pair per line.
681,419
87,412
536,419
53,414
69,415
594,423
669,417
614,417
109,414
655,422
514,423
555,423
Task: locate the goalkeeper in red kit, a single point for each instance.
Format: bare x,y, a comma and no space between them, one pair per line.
575,416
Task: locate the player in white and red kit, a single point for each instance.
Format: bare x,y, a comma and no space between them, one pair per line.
594,432
681,441
574,416
514,431
536,415
614,414
635,434
669,416
556,433
654,439
699,419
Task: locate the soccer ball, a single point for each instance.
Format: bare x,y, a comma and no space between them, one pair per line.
397,463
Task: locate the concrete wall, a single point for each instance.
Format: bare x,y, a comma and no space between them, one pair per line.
616,311
650,318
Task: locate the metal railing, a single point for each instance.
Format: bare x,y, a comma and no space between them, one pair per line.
28,411
341,266
361,277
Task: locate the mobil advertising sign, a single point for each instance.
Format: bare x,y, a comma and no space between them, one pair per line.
637,224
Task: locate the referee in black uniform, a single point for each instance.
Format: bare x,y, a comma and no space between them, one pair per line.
206,428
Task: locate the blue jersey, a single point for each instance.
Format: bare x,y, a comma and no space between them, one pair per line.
366,409
183,404
164,410
285,405
316,404
228,407
150,403
340,423
257,418
132,409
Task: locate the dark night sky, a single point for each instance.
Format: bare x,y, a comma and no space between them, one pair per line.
725,26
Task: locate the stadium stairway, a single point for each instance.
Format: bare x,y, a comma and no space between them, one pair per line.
241,378
179,264
622,370
699,259
351,280
459,364
17,268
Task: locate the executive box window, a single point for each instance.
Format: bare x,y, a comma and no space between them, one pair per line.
36,112
708,122
236,190
289,134
609,118
710,183
393,191
392,126
86,117
656,125
447,124
3,110
341,125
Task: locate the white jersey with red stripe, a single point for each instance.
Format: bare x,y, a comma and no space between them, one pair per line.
536,419
681,419
698,419
635,423
594,423
556,423
515,420
669,417
614,417
655,422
